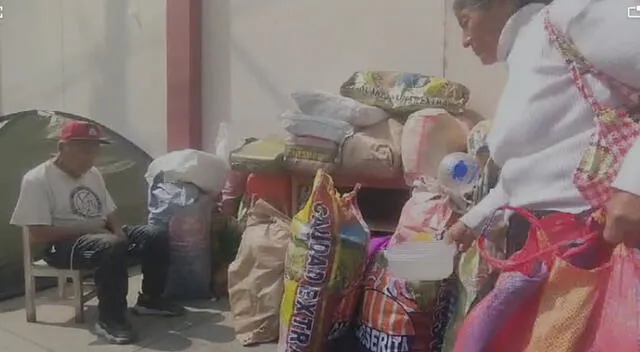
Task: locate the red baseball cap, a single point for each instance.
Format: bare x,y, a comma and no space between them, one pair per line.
82,131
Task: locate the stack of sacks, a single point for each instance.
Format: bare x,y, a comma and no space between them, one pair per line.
313,142
360,132
336,133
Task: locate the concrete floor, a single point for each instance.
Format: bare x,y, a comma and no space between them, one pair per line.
206,327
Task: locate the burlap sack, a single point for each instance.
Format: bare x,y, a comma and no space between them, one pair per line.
256,276
374,152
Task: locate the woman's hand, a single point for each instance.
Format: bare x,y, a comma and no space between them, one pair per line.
623,218
461,235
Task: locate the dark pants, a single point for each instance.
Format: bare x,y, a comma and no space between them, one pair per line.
109,256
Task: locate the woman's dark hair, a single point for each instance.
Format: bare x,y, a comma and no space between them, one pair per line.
459,5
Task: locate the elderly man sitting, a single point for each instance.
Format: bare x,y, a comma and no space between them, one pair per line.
65,203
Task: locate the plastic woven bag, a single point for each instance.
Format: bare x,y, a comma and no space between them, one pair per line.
404,93
429,211
325,264
565,291
401,315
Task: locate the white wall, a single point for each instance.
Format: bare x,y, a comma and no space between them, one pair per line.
105,59
102,59
258,51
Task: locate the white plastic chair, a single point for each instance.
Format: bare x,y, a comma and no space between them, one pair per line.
41,269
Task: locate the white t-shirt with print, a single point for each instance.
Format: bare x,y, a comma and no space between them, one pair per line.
49,196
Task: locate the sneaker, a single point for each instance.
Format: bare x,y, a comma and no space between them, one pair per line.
118,333
156,306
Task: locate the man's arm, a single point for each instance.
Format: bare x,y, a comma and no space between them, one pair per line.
113,223
47,234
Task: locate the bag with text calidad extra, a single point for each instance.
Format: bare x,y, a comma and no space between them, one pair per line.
325,264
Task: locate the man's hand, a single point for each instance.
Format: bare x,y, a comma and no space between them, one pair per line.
623,218
461,235
119,233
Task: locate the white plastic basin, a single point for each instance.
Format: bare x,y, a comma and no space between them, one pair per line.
421,261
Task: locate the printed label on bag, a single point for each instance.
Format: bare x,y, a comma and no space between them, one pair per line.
372,340
396,315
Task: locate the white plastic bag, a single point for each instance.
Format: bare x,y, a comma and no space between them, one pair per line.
316,103
227,140
207,171
427,136
302,125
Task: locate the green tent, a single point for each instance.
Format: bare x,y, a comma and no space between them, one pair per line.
28,138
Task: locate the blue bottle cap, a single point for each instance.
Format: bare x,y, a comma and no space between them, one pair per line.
460,171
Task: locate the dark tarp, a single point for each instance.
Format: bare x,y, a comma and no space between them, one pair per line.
29,138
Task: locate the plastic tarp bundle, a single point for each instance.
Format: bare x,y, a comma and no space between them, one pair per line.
29,138
207,171
317,103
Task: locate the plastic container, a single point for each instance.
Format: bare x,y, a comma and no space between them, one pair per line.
421,261
459,172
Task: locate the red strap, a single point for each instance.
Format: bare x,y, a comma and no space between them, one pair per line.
504,264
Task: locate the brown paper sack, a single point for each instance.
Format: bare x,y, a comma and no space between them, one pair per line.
256,276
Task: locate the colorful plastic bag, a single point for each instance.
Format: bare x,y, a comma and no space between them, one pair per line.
404,93
564,291
429,211
399,315
325,264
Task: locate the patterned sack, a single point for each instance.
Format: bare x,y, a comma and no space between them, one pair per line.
403,316
325,264
400,315
428,212
405,93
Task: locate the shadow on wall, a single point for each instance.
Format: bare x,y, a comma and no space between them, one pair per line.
30,137
217,51
216,54
110,89
252,64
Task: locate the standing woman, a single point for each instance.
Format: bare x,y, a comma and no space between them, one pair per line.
574,78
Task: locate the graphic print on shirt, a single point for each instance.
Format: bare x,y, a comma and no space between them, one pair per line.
85,202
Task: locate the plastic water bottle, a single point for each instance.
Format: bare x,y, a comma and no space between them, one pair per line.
459,172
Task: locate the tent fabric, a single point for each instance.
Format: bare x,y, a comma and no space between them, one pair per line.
30,137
